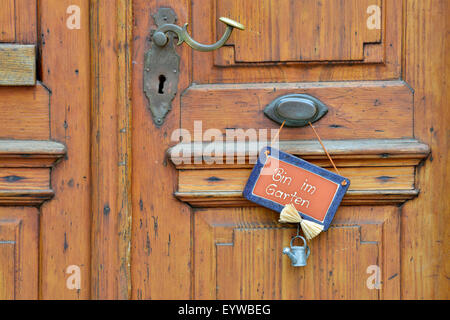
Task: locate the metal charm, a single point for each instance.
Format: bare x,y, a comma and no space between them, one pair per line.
298,255
161,71
296,109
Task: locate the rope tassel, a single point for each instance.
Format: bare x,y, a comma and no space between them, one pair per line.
289,214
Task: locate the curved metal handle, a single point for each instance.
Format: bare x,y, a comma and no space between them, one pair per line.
161,39
299,237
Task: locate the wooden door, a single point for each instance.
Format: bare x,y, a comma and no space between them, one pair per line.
44,119
94,205
207,241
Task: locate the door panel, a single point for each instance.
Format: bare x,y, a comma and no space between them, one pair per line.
237,256
24,166
24,113
300,31
161,243
324,49
265,52
267,61
142,222
7,21
18,21
357,110
19,242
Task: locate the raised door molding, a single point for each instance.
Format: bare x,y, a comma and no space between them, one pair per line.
25,169
382,171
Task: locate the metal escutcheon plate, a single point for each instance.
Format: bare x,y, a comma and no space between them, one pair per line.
296,110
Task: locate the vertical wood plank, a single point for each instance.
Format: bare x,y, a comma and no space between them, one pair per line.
26,21
238,253
424,222
7,266
104,154
110,153
24,113
205,255
7,21
124,117
383,60
19,245
282,30
65,221
161,243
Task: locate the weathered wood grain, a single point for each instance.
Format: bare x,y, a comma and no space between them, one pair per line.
25,171
30,153
17,65
203,26
243,244
18,21
66,220
357,110
199,251
7,21
381,171
425,221
25,197
161,241
299,30
31,148
24,179
225,199
7,266
346,153
19,260
24,113
26,21
111,149
362,178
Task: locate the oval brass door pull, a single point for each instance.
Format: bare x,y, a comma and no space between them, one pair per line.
296,110
160,38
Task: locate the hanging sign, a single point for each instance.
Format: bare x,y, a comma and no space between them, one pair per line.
279,179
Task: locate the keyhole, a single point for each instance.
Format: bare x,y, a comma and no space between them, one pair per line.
162,80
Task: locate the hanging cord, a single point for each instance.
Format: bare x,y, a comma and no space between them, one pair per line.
289,214
267,152
328,155
274,138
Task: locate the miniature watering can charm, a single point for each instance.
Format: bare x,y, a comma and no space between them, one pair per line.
298,255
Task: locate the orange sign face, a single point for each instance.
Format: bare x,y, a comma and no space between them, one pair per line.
279,178
284,183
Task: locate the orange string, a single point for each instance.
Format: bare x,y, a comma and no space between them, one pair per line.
325,149
276,136
320,141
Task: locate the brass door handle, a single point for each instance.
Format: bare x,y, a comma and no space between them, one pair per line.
160,38
162,62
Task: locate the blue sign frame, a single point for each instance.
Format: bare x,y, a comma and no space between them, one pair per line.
282,156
